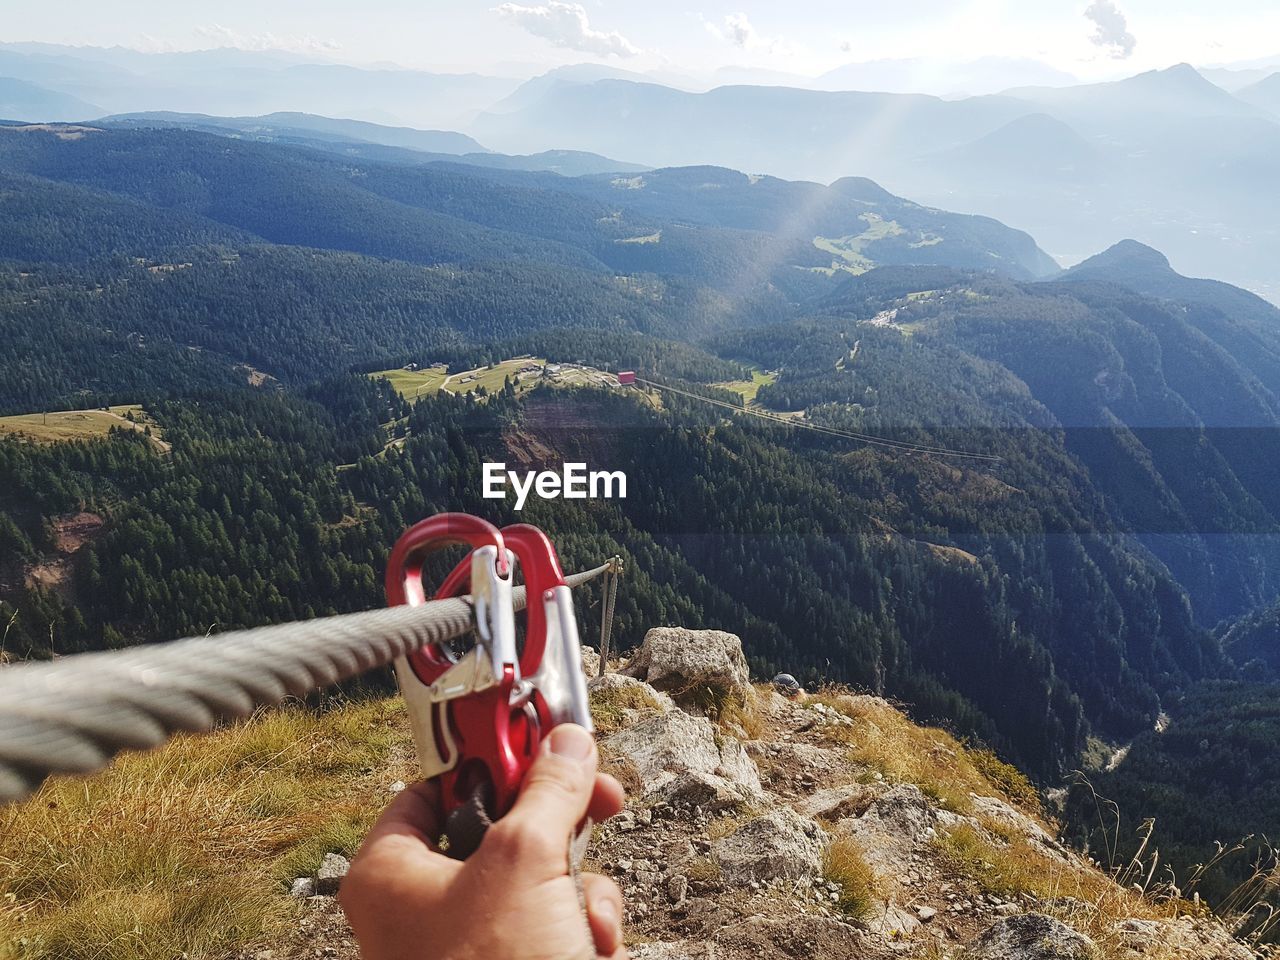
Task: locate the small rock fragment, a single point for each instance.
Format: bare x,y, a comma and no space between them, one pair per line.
333,868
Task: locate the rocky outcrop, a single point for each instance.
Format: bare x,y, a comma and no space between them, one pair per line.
333,868
723,852
690,663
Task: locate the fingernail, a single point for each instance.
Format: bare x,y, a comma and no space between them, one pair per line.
607,911
571,741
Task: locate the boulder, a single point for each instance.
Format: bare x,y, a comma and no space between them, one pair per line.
590,662
893,826
706,790
689,664
1030,936
1184,938
662,748
779,845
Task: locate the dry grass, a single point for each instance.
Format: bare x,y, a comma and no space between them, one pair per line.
703,869
844,864
1075,892
886,740
63,425
610,706
182,852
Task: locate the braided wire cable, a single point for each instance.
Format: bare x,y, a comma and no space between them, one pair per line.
71,716
608,597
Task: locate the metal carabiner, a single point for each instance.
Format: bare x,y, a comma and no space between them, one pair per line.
551,661
433,678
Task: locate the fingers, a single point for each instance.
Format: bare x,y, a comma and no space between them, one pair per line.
553,798
607,799
604,911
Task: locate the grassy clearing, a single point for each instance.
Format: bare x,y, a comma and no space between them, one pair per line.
412,384
748,389
184,852
64,425
884,739
849,250
844,865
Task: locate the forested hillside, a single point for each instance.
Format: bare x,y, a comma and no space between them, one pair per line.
241,291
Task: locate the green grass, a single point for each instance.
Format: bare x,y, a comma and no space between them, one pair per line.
66,425
748,389
411,384
184,851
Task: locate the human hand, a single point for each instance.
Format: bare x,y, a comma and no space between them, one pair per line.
513,899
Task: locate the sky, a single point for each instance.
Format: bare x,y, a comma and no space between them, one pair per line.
1090,39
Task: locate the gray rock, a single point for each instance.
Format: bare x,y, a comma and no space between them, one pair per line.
590,662
677,888
666,951
837,803
894,826
779,845
662,748
926,913
706,790
685,662
302,888
398,786
1031,936
329,877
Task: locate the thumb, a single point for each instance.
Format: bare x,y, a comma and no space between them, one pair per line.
556,790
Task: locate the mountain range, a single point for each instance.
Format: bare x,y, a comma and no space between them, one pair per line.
1166,157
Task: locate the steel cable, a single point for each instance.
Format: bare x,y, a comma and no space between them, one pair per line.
71,716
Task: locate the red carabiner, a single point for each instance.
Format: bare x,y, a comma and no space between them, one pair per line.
461,732
551,659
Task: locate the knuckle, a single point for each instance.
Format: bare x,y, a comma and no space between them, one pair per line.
510,839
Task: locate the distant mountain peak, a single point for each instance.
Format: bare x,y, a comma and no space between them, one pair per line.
1129,253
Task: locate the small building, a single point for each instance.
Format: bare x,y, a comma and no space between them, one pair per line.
626,377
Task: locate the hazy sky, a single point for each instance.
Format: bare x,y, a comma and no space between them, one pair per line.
1090,38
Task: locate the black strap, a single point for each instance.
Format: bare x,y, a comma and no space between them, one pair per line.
467,825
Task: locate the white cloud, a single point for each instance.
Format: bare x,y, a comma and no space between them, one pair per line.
566,25
739,31
1110,29
221,36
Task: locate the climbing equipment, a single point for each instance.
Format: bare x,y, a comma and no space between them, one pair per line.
479,717
72,715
